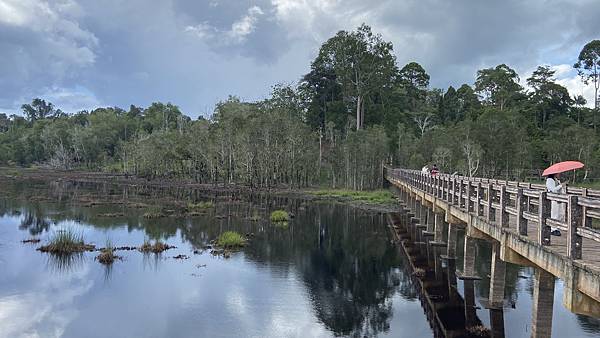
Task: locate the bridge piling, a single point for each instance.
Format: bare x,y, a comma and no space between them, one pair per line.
543,302
497,278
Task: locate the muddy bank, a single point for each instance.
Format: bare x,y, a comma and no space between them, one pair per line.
41,174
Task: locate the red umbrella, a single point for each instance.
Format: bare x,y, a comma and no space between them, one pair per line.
561,167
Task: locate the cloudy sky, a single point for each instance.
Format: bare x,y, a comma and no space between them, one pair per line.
81,54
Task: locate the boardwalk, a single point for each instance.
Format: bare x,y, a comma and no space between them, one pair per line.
517,217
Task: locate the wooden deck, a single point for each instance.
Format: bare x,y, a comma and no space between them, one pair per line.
512,215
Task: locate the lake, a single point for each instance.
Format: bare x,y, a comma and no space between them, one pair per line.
332,270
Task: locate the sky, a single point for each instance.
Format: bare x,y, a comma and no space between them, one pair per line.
82,54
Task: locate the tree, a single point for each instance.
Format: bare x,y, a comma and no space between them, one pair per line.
363,64
39,109
588,68
550,99
498,86
415,80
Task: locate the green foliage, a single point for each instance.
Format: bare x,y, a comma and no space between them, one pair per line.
231,240
280,216
201,205
354,112
374,196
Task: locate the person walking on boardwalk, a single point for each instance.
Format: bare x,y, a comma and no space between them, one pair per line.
554,186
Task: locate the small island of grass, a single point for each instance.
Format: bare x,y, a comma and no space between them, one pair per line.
231,240
280,216
66,242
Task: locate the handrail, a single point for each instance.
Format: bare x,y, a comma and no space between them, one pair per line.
497,200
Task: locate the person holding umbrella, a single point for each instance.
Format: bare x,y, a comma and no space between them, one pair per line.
553,185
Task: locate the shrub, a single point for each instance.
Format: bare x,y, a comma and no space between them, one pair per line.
280,216
231,239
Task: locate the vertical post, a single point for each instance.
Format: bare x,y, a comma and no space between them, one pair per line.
470,253
574,220
438,226
452,189
460,193
543,215
490,194
543,302
521,206
452,235
468,202
503,204
479,206
587,222
497,279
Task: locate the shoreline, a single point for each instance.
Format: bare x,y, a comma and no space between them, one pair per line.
308,193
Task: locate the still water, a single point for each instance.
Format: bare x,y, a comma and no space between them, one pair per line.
332,271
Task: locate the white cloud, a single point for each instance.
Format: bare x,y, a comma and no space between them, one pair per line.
237,34
202,30
246,25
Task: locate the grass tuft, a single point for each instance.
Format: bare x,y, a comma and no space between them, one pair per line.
154,212
231,239
157,247
66,242
280,216
107,254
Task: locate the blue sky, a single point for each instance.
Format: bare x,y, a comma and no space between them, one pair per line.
81,54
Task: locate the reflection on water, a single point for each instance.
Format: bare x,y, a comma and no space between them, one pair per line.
332,272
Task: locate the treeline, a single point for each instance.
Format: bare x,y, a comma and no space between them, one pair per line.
351,114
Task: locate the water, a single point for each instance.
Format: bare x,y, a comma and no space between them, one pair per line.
332,271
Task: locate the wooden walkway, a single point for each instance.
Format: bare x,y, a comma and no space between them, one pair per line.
517,215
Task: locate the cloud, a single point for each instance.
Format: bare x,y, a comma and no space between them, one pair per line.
237,34
194,53
41,45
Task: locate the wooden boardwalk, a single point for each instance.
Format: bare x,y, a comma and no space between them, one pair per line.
517,215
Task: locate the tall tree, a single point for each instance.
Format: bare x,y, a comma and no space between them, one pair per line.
588,68
498,86
39,109
363,64
415,80
550,98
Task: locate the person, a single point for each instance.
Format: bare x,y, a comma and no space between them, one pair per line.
434,170
554,186
425,170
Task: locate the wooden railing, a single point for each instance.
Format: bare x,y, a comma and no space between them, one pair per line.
497,200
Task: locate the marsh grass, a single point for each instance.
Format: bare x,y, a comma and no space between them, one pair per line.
156,247
154,212
280,216
371,197
107,254
231,240
200,205
66,242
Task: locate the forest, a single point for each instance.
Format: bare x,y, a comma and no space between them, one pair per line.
353,112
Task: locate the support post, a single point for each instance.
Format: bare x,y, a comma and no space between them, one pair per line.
521,206
490,198
574,220
503,204
497,279
543,302
479,206
543,214
469,257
